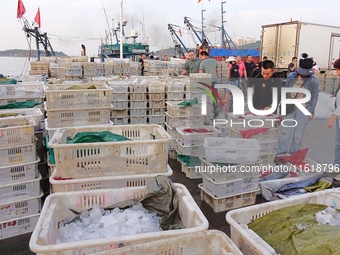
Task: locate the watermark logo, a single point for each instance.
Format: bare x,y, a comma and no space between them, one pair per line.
238,100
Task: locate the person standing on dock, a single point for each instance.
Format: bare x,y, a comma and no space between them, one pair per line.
335,118
141,60
192,64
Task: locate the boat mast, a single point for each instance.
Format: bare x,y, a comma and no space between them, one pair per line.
121,29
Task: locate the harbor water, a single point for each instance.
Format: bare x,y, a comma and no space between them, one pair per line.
14,66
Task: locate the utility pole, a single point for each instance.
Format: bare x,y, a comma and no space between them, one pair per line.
222,27
121,29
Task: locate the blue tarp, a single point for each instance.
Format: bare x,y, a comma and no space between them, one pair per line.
227,53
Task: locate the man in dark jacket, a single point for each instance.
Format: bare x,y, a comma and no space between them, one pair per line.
263,80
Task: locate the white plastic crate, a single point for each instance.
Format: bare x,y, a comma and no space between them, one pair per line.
138,104
190,95
156,103
269,135
51,131
157,96
17,155
32,113
58,96
138,88
120,105
174,109
175,96
156,119
195,138
248,241
227,203
16,131
138,96
172,154
78,117
175,87
268,187
56,208
138,120
118,86
267,158
119,113
184,121
173,144
157,111
231,150
20,90
221,173
197,151
230,187
20,190
119,96
172,131
204,243
250,120
190,171
120,120
20,172
18,226
156,88
141,155
20,208
106,182
138,112
268,146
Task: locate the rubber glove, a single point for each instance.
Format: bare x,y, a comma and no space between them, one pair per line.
323,183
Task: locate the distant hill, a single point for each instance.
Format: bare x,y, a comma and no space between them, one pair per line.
25,53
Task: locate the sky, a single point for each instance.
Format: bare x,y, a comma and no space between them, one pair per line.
70,23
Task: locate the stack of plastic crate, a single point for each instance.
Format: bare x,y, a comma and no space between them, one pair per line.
223,72
127,163
20,194
71,71
119,114
230,172
157,99
175,89
138,103
267,139
89,70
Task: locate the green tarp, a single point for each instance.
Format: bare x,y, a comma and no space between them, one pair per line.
294,230
96,137
19,105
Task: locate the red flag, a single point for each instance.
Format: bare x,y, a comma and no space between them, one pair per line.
199,1
21,9
291,20
37,17
180,32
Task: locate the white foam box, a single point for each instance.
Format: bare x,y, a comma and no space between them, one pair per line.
231,187
56,208
231,150
20,172
222,204
145,153
16,131
208,242
59,96
107,182
251,243
195,138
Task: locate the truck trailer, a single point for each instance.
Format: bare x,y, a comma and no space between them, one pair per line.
282,41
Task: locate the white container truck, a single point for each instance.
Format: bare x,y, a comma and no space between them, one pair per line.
282,41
